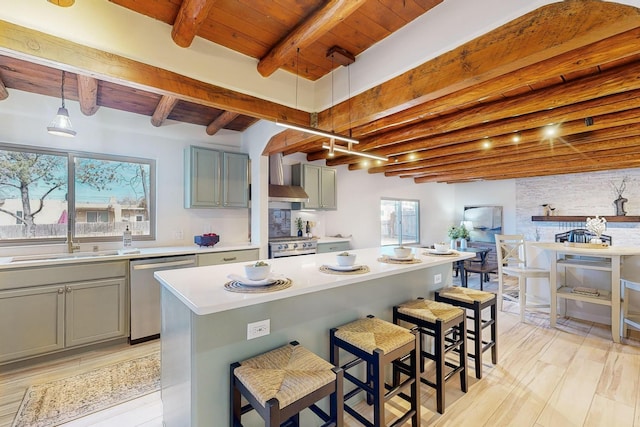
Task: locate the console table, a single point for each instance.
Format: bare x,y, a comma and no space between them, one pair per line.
606,259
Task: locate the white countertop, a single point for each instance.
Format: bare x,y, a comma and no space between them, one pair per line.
577,250
201,289
34,260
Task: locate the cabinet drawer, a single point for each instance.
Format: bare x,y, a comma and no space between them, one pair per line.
47,275
228,257
333,247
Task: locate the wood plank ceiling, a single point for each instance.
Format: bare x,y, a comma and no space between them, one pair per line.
483,111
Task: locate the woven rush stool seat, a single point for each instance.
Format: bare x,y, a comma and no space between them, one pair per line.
447,325
378,343
282,382
476,302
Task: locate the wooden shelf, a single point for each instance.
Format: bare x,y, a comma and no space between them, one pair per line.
583,218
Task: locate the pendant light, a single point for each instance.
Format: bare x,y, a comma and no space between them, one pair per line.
61,124
308,129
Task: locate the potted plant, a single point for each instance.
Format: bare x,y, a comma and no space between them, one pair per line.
299,226
463,235
453,234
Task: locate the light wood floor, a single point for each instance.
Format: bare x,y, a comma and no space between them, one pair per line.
570,376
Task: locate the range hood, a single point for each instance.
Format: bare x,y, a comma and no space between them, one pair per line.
278,192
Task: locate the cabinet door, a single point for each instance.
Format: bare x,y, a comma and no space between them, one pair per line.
235,180
202,178
31,321
328,199
312,185
95,311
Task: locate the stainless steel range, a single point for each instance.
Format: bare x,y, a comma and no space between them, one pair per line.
292,246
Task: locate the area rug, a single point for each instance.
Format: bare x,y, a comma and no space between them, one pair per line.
67,399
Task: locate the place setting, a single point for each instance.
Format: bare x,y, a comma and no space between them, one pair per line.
258,278
440,249
345,264
401,255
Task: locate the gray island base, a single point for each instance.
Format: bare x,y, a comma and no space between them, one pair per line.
204,327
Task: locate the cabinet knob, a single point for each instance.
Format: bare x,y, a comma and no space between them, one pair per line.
68,289
60,290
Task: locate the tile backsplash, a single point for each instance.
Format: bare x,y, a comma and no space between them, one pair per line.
279,222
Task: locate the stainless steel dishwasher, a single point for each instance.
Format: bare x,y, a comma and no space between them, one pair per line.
145,294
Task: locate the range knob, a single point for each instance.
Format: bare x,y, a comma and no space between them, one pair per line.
295,245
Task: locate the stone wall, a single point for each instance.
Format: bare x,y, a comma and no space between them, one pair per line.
587,194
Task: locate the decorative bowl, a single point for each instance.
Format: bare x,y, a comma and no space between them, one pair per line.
441,247
206,239
402,252
345,259
258,271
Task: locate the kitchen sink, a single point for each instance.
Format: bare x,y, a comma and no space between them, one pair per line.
53,257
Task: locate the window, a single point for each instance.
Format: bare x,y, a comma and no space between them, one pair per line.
94,216
400,222
46,193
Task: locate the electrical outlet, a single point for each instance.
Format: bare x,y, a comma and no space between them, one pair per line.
179,235
437,278
258,329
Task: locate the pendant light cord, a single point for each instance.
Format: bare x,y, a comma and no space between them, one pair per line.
62,89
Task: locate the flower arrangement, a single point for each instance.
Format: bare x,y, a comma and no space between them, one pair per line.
596,226
299,224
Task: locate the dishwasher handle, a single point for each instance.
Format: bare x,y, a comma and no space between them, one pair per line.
163,264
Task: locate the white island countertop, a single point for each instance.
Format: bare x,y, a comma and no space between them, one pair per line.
202,290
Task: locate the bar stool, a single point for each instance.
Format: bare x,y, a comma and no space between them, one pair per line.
447,325
475,302
282,382
379,343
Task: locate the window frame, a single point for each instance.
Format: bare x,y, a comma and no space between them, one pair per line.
399,225
71,155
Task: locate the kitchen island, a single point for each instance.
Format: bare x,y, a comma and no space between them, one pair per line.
204,327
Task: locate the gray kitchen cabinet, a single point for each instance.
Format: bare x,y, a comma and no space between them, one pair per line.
333,247
235,180
95,311
227,257
319,183
216,179
31,322
49,309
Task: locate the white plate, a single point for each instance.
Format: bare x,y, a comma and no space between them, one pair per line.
344,267
396,258
434,252
248,282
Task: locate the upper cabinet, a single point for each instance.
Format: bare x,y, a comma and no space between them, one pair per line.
216,179
319,182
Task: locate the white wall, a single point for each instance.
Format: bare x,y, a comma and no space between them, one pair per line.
24,118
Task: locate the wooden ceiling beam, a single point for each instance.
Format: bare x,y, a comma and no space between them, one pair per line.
191,15
88,95
466,69
34,46
601,164
450,156
311,29
220,122
163,109
4,94
535,153
514,114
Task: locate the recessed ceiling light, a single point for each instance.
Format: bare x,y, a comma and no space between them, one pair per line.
550,130
516,138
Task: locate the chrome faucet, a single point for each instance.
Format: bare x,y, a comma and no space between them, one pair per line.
71,248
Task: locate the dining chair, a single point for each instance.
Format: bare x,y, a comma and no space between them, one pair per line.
511,255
